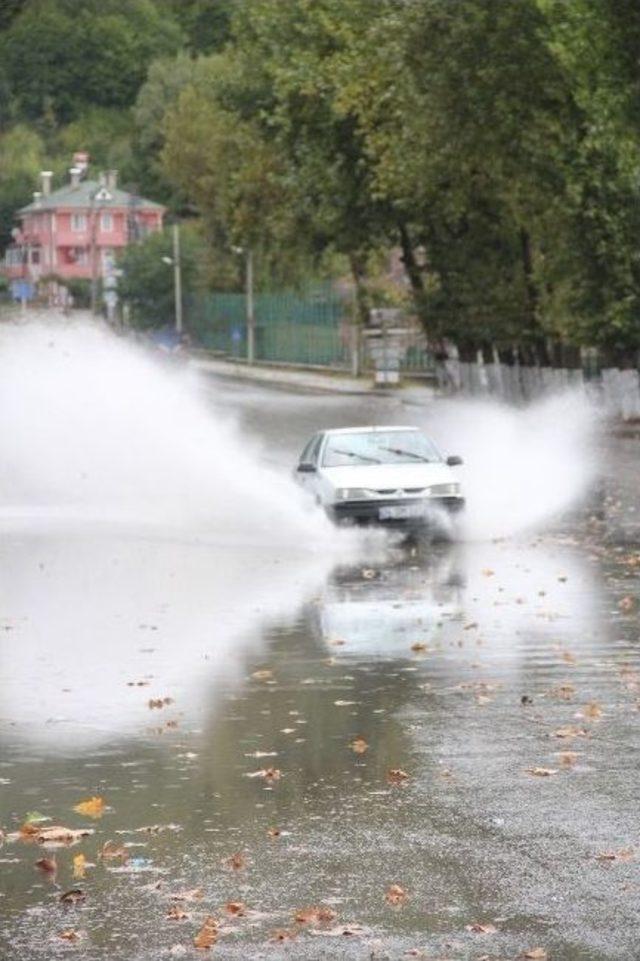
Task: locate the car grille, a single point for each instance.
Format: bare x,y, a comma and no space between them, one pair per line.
390,491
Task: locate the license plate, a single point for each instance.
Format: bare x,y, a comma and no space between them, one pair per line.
400,512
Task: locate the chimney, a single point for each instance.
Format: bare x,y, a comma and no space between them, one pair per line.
102,178
45,179
37,199
75,173
112,179
81,161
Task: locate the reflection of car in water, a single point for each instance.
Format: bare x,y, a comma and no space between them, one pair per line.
393,476
384,612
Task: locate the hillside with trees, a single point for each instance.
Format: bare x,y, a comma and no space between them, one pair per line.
495,143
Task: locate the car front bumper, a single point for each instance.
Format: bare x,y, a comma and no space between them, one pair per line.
389,512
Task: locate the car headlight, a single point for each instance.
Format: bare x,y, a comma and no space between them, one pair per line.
352,494
444,490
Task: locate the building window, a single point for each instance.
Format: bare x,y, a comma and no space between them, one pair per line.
106,222
78,222
80,255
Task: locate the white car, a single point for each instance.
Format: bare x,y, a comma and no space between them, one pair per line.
379,475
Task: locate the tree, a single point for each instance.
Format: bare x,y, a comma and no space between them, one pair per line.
206,23
21,159
147,283
113,43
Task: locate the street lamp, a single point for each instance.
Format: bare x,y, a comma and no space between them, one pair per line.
176,263
251,317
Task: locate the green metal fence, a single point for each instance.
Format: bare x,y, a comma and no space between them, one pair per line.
290,327
311,328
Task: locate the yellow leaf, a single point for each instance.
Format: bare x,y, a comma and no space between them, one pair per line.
79,865
207,935
93,807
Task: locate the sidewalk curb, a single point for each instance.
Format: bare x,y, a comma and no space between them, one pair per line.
313,380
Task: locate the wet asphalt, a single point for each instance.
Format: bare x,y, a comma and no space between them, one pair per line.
499,680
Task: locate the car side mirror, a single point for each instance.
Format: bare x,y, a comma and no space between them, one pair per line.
306,468
454,461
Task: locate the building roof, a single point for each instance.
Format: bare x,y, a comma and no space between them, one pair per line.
87,193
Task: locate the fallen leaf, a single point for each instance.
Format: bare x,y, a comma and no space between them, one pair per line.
34,817
564,692
262,675
93,807
47,865
567,758
395,894
159,702
570,732
568,657
627,604
236,908
593,711
397,776
359,745
79,866
535,954
207,935
68,935
541,771
74,896
478,928
315,915
419,646
274,832
237,861
487,572
111,851
624,854
176,914
53,834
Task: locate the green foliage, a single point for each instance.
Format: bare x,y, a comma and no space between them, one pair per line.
206,23
147,284
496,143
21,159
60,57
80,290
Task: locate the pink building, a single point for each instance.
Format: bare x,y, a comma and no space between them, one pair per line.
77,230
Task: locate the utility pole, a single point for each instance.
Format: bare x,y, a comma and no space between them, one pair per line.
177,277
93,226
251,318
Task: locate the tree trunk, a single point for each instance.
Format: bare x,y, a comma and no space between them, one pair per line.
411,266
359,272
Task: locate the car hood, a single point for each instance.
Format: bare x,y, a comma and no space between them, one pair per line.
387,476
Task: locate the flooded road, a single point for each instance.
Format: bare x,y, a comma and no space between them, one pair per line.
435,744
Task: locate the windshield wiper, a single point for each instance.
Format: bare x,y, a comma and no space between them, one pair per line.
406,453
353,453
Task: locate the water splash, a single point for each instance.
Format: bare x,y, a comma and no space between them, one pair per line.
522,467
96,429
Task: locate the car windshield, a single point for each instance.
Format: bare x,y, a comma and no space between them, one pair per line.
379,447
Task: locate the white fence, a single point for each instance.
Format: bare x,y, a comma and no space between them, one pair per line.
617,390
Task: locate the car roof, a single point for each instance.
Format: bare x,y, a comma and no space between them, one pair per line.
367,430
